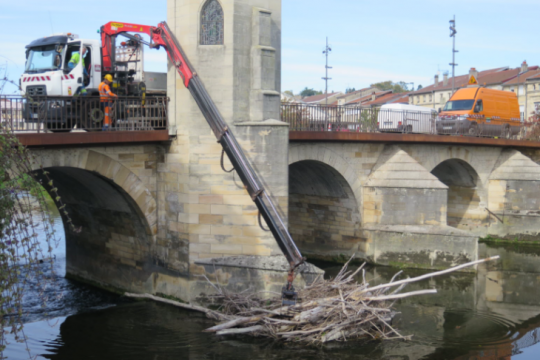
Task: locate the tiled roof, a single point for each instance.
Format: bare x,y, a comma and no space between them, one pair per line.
462,80
368,97
359,100
523,77
387,98
356,92
403,99
318,97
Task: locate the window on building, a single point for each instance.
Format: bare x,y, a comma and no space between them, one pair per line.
442,98
212,23
430,98
423,98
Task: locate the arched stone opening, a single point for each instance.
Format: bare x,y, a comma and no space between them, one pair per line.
324,218
463,198
113,247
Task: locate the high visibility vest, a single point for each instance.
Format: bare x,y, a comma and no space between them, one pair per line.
105,93
75,58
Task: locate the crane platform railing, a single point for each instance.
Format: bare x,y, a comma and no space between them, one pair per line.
42,114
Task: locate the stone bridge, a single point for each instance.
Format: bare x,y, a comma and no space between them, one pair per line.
409,203
156,215
157,210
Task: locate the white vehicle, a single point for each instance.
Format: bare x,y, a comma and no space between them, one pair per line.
405,118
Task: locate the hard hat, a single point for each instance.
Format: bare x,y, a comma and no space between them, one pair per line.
108,77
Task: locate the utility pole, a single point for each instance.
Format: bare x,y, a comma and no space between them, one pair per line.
454,51
326,78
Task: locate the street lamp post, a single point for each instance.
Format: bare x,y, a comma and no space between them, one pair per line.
326,51
454,51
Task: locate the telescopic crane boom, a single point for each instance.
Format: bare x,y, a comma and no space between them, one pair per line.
161,36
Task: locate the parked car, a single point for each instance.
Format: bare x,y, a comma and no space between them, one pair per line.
478,111
406,118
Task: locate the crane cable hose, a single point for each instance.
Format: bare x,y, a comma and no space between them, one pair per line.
220,130
222,166
260,223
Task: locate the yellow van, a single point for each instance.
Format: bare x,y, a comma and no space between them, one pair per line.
478,111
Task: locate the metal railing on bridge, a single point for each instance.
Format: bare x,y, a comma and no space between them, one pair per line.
82,113
304,117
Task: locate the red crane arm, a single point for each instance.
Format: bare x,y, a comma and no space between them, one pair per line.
160,36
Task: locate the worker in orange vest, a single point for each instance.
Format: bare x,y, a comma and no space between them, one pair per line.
106,96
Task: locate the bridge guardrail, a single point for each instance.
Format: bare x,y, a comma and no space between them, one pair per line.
40,114
305,117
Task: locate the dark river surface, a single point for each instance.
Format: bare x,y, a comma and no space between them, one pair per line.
491,314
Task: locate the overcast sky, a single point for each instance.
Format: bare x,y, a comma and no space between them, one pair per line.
371,41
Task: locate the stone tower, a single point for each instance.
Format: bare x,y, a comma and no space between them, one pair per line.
234,46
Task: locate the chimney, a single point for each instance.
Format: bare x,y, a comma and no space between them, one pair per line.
524,66
373,96
436,83
445,79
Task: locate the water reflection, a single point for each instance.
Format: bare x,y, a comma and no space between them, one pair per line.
493,314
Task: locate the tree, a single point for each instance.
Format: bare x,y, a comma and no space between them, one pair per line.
398,87
419,87
288,92
24,216
309,92
383,85
21,254
350,90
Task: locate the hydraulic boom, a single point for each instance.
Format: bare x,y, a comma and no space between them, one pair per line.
161,36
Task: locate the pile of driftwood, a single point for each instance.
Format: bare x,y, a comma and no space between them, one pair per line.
328,310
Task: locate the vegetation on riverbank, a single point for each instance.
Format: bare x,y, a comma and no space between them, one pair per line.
25,225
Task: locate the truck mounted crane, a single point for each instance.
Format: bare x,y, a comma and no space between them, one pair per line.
161,36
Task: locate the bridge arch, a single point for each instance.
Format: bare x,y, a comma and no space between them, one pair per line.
334,159
115,211
464,208
481,159
324,216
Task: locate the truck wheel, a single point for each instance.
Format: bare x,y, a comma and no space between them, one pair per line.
473,130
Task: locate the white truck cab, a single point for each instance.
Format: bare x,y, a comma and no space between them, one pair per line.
51,83
47,72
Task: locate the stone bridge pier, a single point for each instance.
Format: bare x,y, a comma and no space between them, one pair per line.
419,205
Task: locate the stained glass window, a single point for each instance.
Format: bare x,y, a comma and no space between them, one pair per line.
212,23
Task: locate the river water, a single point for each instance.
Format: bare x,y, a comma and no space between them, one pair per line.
491,314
